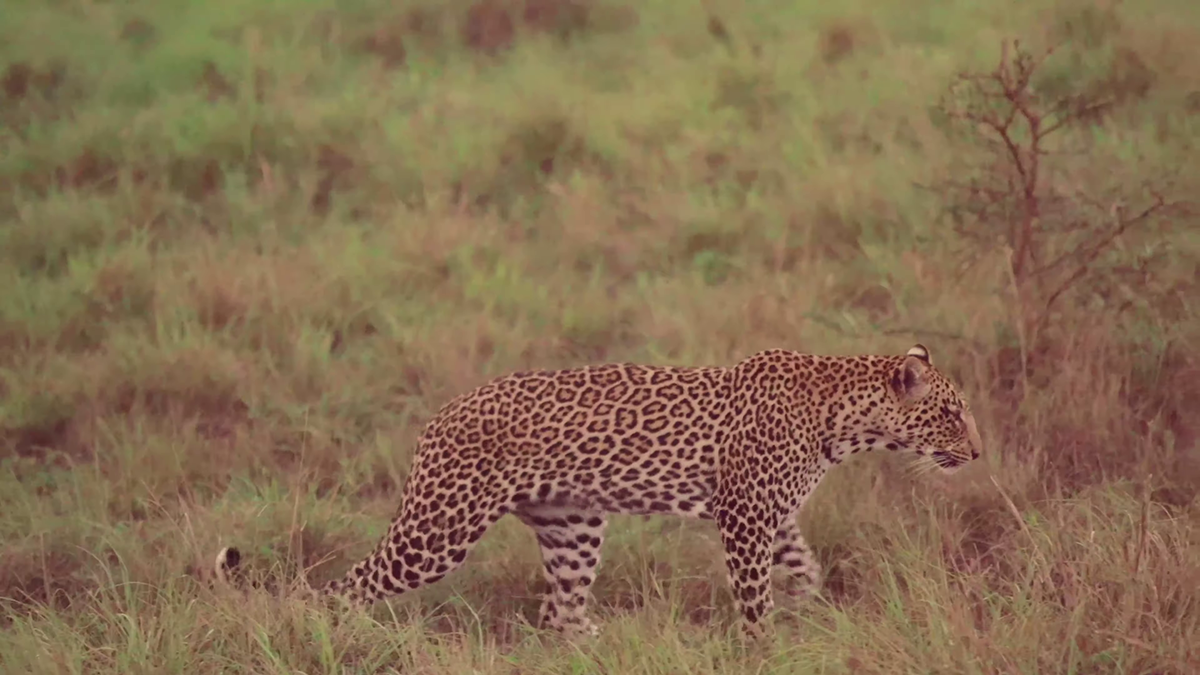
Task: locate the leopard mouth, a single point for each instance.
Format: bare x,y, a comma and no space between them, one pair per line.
946,461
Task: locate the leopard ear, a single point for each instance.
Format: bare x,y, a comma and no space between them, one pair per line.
920,351
910,380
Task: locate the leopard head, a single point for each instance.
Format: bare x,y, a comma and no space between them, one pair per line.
925,413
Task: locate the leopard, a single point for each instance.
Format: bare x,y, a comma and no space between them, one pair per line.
741,445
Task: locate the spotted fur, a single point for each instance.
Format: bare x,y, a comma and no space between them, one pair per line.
742,445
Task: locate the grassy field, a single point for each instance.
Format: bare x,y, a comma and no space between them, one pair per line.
248,248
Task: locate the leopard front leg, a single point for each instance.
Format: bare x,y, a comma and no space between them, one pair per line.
748,555
793,555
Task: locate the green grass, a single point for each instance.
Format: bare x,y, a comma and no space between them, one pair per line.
248,249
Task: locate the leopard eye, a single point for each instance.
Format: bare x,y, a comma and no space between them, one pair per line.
955,414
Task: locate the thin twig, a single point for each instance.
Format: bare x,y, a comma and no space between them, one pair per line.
1012,508
1141,545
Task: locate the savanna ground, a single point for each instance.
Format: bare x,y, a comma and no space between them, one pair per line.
248,248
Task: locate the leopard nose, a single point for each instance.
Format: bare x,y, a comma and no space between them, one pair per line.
973,437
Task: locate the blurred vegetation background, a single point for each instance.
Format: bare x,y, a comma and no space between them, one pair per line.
247,249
